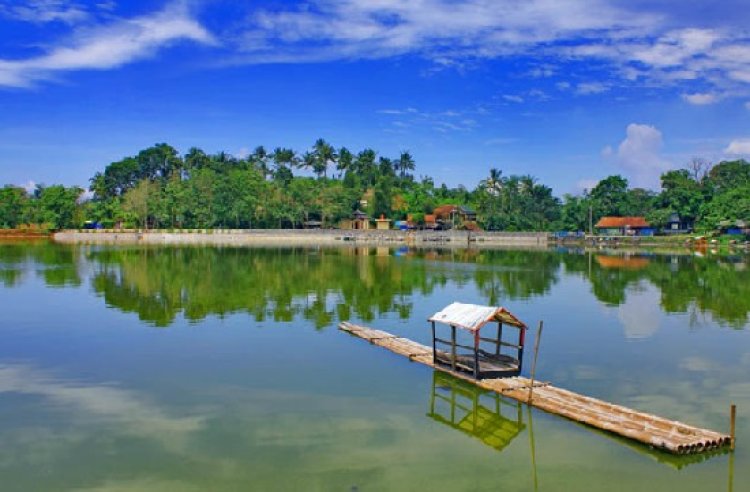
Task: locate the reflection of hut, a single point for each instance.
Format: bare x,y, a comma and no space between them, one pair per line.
622,262
382,224
473,411
360,220
481,361
624,226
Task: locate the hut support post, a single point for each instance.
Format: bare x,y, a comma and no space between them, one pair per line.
476,354
732,418
453,347
499,337
434,352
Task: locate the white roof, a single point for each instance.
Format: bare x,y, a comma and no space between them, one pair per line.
472,316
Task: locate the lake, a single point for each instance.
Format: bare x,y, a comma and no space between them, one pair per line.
181,369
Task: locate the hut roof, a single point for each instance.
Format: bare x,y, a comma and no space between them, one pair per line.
617,222
473,317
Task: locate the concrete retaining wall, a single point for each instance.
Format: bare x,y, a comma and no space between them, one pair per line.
300,237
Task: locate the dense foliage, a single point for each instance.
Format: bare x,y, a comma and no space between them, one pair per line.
159,188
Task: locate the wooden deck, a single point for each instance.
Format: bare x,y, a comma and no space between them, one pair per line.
658,432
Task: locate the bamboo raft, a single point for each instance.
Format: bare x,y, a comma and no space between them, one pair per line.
652,430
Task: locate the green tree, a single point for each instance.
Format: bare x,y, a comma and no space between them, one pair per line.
14,206
58,206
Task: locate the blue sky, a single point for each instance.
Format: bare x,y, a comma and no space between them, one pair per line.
567,91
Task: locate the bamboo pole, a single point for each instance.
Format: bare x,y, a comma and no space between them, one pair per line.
732,418
536,355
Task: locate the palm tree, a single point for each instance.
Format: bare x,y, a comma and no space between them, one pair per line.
346,158
284,158
307,161
494,182
325,155
260,158
405,163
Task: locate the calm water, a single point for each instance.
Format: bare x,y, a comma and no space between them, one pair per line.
127,369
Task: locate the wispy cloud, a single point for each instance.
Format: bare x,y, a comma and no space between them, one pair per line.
701,98
43,11
664,46
585,88
513,98
441,121
107,46
738,147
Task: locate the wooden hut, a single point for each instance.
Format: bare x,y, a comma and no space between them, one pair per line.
483,361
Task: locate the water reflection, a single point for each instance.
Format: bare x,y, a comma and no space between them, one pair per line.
337,284
478,413
496,421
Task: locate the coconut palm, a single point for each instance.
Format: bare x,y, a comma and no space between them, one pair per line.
405,163
325,155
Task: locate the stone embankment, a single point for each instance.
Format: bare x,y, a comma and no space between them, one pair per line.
300,237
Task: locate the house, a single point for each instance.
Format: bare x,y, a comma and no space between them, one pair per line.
677,225
449,216
624,226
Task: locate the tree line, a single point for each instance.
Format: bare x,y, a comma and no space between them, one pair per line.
282,188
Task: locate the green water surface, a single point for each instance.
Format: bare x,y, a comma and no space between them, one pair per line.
191,369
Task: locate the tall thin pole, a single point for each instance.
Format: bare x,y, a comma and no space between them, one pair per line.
536,355
732,418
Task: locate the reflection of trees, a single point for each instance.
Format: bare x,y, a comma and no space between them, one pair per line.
318,285
326,285
57,266
515,274
719,285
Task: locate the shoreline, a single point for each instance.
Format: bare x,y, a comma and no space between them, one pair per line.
300,237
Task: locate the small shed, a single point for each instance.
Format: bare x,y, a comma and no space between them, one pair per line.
481,360
382,224
360,220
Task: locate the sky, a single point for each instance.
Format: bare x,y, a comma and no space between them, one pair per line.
568,91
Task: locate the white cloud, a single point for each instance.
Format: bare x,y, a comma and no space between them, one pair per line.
513,98
738,147
43,11
107,46
29,186
586,185
591,88
639,155
701,98
747,105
